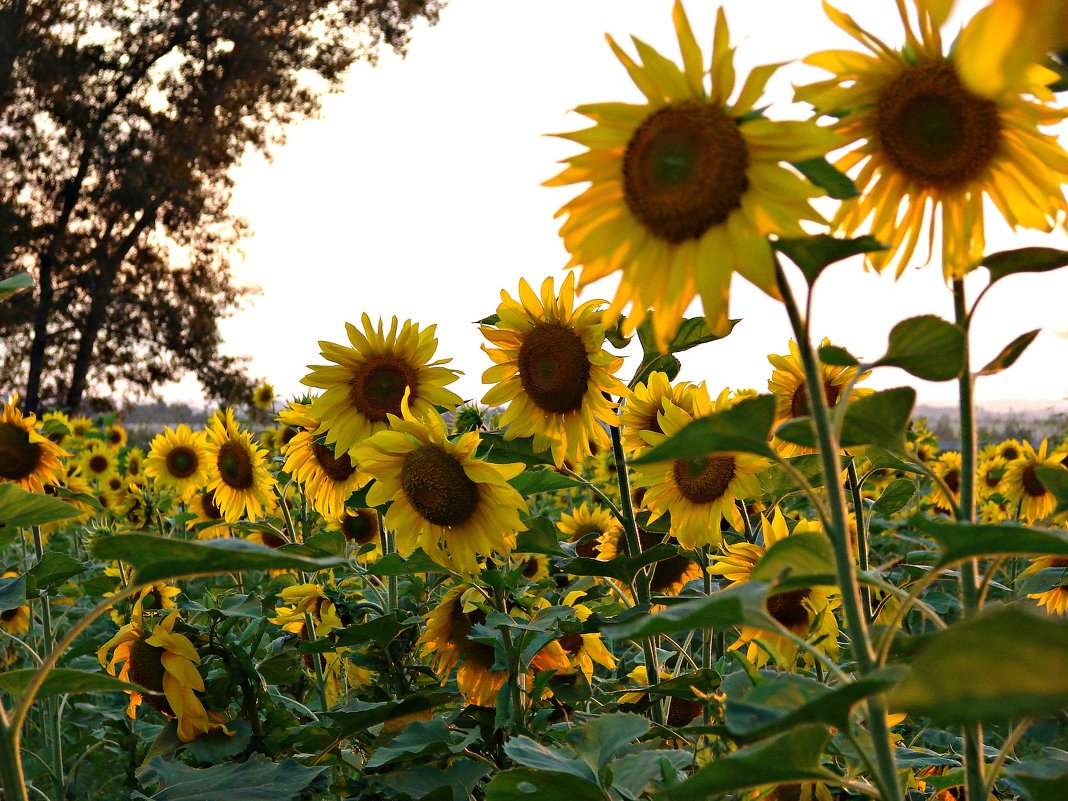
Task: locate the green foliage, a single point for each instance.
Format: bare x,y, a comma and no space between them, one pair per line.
926,347
1024,260
744,427
21,509
814,254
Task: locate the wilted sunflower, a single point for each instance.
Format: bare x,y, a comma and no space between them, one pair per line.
177,459
642,408
263,396
27,458
444,500
551,368
698,492
1054,599
98,462
165,664
1021,484
926,145
583,522
685,188
368,380
237,470
328,479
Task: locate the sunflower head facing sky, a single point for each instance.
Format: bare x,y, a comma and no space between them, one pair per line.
177,460
27,457
685,188
925,147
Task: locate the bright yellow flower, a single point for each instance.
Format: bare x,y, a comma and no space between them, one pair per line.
584,521
642,409
1021,484
669,575
1054,599
177,460
115,436
947,467
329,479
360,527
238,474
583,650
27,458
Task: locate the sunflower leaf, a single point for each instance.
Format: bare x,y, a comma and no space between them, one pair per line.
523,784
744,427
12,592
1010,353
692,331
256,779
624,568
797,561
926,347
1055,480
879,419
953,679
742,604
541,536
53,569
63,681
895,497
827,177
16,283
960,541
21,509
535,480
1024,260
814,254
493,447
655,363
837,357
394,564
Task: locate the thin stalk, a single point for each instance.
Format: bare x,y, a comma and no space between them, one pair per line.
1017,733
389,545
320,680
862,534
709,658
55,733
845,567
974,780
747,523
11,776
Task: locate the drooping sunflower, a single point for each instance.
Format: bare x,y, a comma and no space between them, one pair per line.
787,384
584,649
444,500
947,468
1021,484
926,146
27,458
98,462
367,381
263,396
237,470
698,492
177,459
642,408
685,189
1054,599
585,525
551,368
294,418
447,643
164,663
328,478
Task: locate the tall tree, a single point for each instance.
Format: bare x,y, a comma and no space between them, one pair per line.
120,123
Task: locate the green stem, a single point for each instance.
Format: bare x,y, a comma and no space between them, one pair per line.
974,780
11,777
862,534
389,545
55,734
845,566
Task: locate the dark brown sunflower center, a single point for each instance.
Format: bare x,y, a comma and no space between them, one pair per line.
182,461
789,609
338,468
571,643
115,436
114,483
98,464
704,479
933,129
288,433
799,402
146,665
1032,486
460,625
530,568
1010,452
669,572
684,170
18,456
952,479
683,711
437,487
554,368
209,507
992,479
360,527
235,466
378,387
133,467
9,614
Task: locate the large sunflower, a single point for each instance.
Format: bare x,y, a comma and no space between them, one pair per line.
551,368
328,478
367,381
1021,484
926,145
27,458
698,492
238,474
443,499
177,460
685,188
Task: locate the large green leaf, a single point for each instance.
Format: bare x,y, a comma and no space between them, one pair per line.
742,604
541,479
396,565
879,419
16,283
744,427
422,739
382,630
53,569
541,536
527,784
533,754
1003,663
358,715
1010,353
63,681
813,254
494,447
1024,260
895,497
257,779
960,541
21,509
1045,780
927,347
600,739
791,757
624,568
800,560
156,559
456,781
12,592
692,331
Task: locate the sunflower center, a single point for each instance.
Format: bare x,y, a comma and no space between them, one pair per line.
571,643
668,572
18,456
1009,453
952,479
1032,486
933,129
789,609
992,479
338,468
182,461
235,466
554,368
437,487
704,479
209,507
146,669
98,464
115,436
799,402
684,170
460,625
9,614
378,385
361,527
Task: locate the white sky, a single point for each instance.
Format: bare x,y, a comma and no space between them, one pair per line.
417,193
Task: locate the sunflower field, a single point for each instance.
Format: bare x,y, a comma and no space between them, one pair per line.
592,585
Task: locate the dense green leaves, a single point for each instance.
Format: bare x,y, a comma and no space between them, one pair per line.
21,509
624,568
53,569
813,254
880,419
800,560
927,347
1024,260
742,604
62,681
257,779
960,541
743,427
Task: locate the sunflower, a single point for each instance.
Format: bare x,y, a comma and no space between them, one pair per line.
27,458
17,620
947,468
925,144
98,461
56,426
177,459
360,527
1021,484
115,436
367,382
237,470
669,575
134,465
641,410
447,642
328,479
443,499
1010,449
685,188
551,368
583,522
698,492
806,612
164,663
1054,599
988,476
583,650
81,427
206,510
294,418
682,711
787,384
263,396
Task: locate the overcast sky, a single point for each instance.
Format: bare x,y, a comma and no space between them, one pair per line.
417,193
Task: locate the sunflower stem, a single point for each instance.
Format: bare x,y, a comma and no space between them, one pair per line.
709,659
862,535
55,733
11,776
974,780
845,565
389,545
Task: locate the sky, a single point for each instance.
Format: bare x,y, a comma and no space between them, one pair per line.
417,193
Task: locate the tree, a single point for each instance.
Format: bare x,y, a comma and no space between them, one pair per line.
120,123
